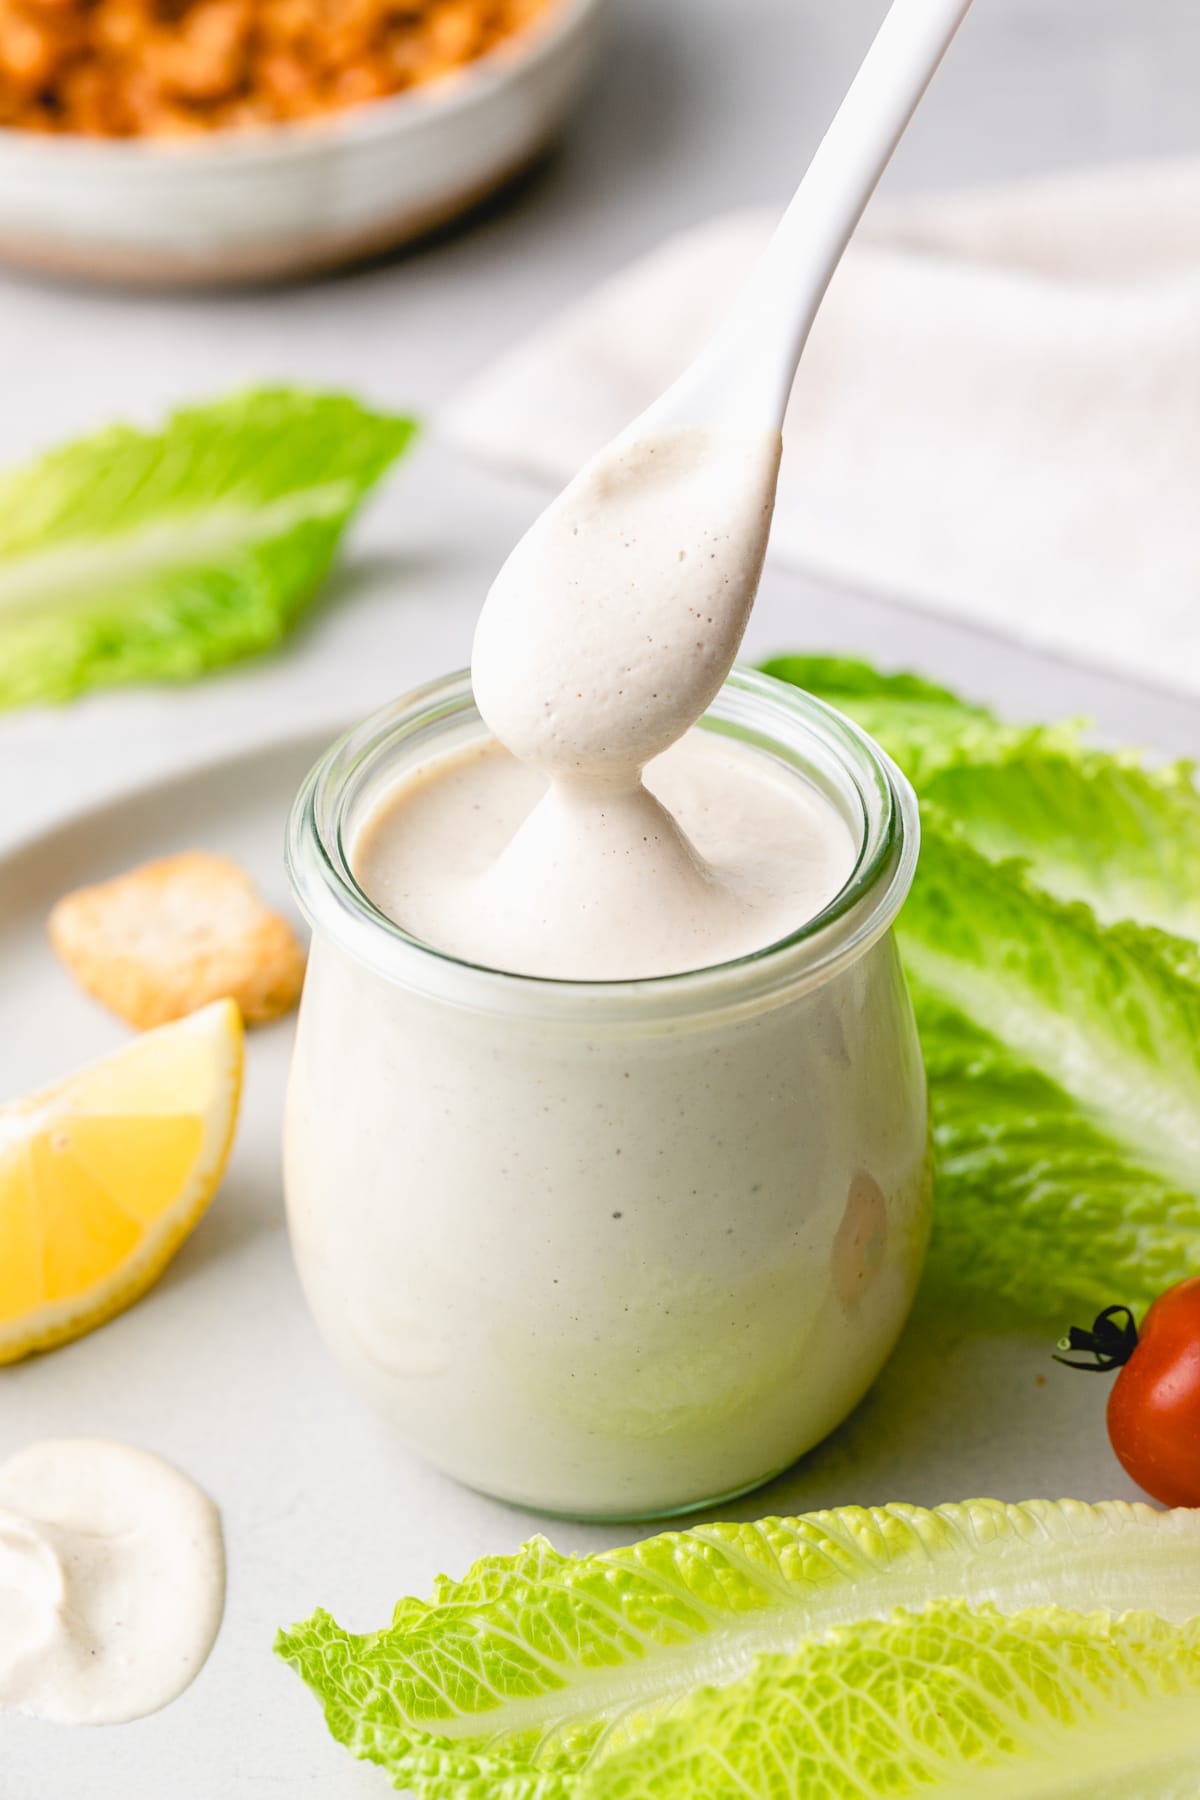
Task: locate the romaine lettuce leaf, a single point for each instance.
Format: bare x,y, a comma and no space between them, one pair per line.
922,726
1090,824
510,1683
943,1704
849,682
1041,1211
1101,1011
134,556
1059,1022
1064,1065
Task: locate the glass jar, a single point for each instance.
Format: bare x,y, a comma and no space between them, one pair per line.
609,1249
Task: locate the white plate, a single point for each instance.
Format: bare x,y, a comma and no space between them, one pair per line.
220,1370
241,206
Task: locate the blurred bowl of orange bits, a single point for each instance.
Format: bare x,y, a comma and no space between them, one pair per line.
205,142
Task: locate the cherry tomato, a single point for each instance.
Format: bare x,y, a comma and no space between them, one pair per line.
1154,1408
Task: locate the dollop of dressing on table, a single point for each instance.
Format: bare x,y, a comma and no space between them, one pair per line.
112,1581
605,637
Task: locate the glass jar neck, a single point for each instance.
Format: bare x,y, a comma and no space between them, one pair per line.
792,727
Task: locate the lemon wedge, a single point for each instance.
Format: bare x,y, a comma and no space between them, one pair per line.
103,1176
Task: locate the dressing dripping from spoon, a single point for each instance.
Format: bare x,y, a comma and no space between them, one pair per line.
617,618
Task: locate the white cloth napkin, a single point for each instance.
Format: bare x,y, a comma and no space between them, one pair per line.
998,413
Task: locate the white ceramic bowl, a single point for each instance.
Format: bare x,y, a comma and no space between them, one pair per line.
251,206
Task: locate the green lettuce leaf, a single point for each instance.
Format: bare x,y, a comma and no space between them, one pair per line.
850,681
136,556
1041,1212
1097,825
1064,1063
1051,943
944,1704
922,726
511,1683
1099,1010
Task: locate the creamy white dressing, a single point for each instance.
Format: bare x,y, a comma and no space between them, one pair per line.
112,1581
721,852
621,843
605,636
618,616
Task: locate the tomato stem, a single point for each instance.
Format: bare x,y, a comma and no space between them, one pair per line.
1111,1342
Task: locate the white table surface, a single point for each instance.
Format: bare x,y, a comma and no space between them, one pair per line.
702,104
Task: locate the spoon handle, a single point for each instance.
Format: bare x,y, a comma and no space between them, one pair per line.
744,375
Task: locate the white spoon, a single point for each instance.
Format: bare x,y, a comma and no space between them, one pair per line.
618,616
744,375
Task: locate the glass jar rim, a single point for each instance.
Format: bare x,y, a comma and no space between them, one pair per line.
330,897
